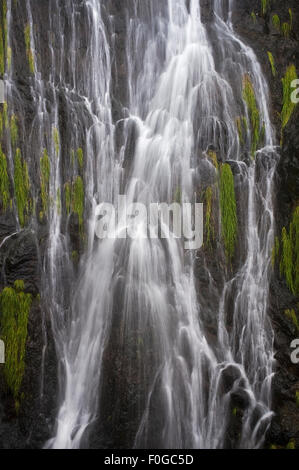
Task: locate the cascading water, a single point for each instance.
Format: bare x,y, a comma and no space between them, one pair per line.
191,349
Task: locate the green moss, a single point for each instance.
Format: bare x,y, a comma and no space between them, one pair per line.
286,263
239,129
292,316
291,444
68,197
73,157
294,236
15,308
56,140
58,200
1,125
178,195
288,105
78,200
253,16
265,6
22,187
80,157
254,115
228,209
210,233
272,63
14,133
29,52
9,54
275,251
242,127
286,29
4,182
297,398
2,57
213,157
289,253
74,199
45,180
276,22
19,286
5,116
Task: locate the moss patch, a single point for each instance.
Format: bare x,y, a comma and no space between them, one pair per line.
294,237
5,116
80,158
228,209
242,127
78,200
22,187
265,5
253,112
44,180
14,133
15,308
276,22
293,317
68,197
272,63
286,263
2,57
4,182
58,200
213,158
288,106
56,140
291,445
29,52
74,199
275,251
287,253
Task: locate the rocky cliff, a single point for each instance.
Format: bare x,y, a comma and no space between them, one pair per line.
29,424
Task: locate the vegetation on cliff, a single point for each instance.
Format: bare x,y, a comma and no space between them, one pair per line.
228,209
44,180
286,253
75,199
253,112
22,187
15,309
29,52
288,104
4,182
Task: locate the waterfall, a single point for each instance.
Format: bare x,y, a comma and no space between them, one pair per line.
193,347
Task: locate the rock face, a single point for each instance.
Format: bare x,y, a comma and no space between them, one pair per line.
262,36
22,253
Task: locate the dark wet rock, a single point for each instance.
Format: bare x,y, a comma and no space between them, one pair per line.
205,174
263,37
21,257
30,427
240,399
